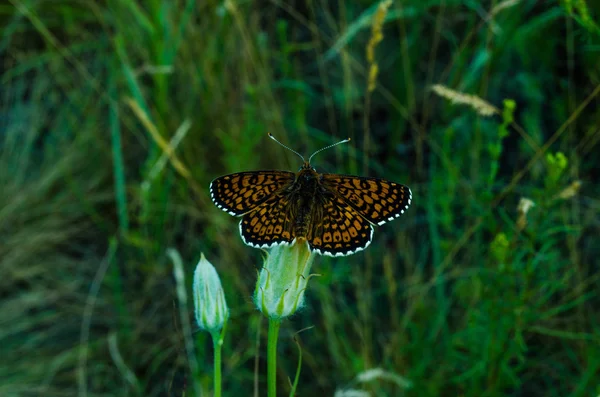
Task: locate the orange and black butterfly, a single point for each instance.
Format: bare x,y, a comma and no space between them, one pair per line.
334,213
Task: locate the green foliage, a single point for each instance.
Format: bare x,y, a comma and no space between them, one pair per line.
557,164
495,146
116,115
578,9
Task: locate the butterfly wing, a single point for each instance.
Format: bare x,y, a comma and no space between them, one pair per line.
377,200
238,194
338,229
268,225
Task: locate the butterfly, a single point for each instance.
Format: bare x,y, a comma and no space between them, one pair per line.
334,213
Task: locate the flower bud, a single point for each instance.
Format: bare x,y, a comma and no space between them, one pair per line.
210,307
283,279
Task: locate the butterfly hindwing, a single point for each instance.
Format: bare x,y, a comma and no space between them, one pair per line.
339,230
239,193
268,225
377,200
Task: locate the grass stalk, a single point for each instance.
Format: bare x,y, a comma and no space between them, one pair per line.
118,163
298,369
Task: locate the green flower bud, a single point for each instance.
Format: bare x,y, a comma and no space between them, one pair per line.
561,161
500,248
283,280
557,164
210,307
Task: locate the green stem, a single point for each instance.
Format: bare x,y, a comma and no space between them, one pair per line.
272,356
217,338
217,368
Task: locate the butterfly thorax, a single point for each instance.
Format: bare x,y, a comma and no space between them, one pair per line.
306,192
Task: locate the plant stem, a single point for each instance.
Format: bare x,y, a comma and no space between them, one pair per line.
272,356
217,338
217,368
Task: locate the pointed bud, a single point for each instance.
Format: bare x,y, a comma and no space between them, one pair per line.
210,307
283,280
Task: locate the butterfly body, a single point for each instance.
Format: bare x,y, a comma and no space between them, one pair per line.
334,213
307,193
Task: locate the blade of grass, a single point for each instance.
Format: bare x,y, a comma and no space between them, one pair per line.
117,152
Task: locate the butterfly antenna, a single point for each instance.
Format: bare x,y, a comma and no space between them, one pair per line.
291,150
327,147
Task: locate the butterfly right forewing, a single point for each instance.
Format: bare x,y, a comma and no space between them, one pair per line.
240,193
377,200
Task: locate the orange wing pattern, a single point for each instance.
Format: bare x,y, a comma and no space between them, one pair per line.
377,200
237,194
339,230
268,225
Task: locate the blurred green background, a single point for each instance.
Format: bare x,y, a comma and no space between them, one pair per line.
115,115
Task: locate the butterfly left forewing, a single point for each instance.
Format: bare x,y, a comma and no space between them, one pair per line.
240,193
377,200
